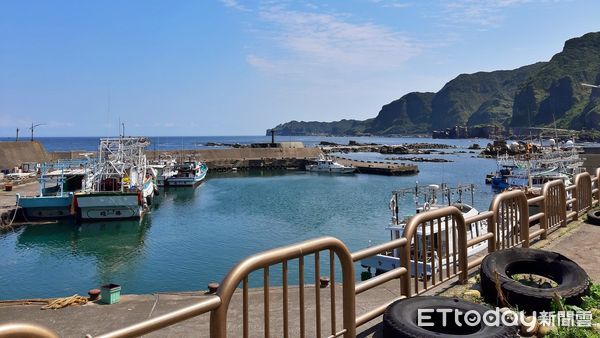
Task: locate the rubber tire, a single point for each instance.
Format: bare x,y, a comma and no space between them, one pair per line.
400,318
593,217
573,282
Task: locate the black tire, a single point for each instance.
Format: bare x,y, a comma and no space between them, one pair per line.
400,320
593,217
573,281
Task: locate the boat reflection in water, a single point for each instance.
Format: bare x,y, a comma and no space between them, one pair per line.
113,246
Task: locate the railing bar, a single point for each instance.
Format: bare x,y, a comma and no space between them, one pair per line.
380,279
332,289
479,217
317,295
301,290
441,245
424,253
431,237
514,221
245,307
454,251
170,318
378,311
447,250
286,331
266,301
416,263
479,239
337,334
374,250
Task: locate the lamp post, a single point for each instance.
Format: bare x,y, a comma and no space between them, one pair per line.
33,127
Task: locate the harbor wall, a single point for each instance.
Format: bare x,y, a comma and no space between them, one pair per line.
244,158
13,154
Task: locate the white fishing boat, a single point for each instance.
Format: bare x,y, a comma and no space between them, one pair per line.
426,198
532,170
327,165
188,174
165,168
122,186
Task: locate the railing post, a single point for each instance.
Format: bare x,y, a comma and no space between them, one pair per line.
597,179
509,218
544,219
583,186
462,248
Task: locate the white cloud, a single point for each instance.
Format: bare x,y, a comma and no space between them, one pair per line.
316,40
478,12
234,4
392,3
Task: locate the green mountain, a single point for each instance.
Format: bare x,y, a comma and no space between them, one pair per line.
554,92
540,94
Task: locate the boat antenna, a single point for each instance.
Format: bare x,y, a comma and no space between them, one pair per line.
472,194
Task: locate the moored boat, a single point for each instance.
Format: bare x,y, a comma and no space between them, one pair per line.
188,174
58,181
122,185
426,240
327,165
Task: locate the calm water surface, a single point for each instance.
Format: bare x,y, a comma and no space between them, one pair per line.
193,237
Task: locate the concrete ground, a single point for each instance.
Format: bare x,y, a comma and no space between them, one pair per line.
8,198
578,242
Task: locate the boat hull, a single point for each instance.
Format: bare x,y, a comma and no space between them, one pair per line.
44,207
194,181
315,169
108,206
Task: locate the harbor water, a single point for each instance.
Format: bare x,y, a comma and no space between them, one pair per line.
195,236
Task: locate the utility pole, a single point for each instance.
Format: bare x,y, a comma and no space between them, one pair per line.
17,139
33,127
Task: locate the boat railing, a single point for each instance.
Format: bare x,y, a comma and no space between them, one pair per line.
508,225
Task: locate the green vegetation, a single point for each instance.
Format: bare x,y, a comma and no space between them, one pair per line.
537,95
590,303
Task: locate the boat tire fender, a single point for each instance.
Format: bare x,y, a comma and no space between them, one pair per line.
593,217
426,206
401,319
149,200
572,282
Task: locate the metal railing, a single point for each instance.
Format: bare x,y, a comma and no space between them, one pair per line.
425,262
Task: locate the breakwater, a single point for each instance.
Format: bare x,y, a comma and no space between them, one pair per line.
245,158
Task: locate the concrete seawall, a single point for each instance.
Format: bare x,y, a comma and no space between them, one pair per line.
245,158
13,154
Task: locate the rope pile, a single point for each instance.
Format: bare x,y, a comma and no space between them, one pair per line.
51,303
59,303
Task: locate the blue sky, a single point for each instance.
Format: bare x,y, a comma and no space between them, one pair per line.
233,67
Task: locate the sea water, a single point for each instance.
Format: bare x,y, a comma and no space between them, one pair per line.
195,236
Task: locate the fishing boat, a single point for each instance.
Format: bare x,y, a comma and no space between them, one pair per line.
122,185
187,174
327,165
58,181
165,168
532,170
426,198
